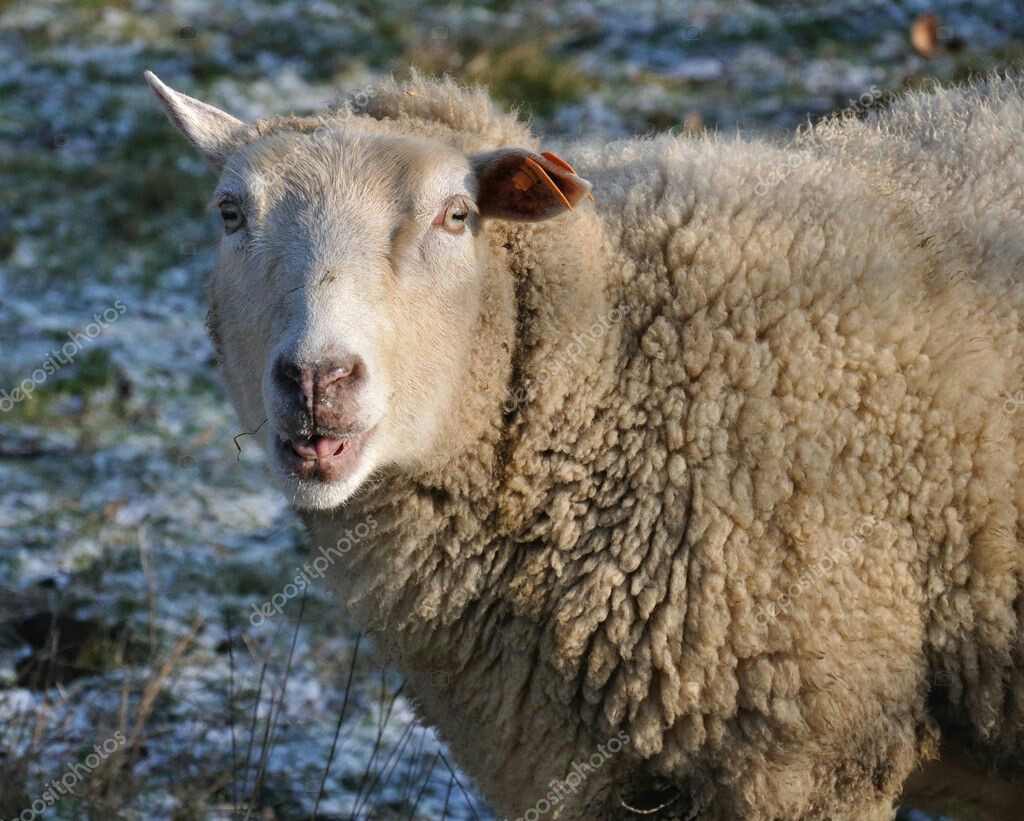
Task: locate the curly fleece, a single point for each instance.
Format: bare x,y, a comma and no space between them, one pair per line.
762,516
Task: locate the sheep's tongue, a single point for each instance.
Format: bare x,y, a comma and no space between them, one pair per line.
319,448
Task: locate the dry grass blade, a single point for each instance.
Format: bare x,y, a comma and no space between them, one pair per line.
147,574
447,795
394,755
252,725
337,727
156,682
231,706
413,769
423,786
383,717
267,748
462,789
106,776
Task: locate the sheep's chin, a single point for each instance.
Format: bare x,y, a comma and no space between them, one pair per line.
305,494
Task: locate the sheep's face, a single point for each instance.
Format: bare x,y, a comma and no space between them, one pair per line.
346,294
349,285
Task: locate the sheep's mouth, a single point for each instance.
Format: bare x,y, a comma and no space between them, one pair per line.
323,458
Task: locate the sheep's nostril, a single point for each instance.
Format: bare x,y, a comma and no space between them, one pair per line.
345,370
317,382
338,375
333,376
290,375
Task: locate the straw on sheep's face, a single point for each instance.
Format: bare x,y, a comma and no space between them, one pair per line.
349,284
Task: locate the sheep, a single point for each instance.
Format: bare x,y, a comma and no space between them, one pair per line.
701,499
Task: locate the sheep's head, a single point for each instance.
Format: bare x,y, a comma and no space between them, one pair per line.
348,288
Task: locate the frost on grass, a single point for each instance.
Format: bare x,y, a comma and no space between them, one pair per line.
134,537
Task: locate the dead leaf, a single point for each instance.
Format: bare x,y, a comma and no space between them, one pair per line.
924,34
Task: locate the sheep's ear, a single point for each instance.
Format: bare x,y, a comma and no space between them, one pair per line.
516,184
215,134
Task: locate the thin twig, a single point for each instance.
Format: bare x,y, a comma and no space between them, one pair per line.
246,433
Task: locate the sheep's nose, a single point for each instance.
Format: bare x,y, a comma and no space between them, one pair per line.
320,382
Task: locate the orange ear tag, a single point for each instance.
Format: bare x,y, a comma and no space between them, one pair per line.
523,180
558,161
540,175
552,157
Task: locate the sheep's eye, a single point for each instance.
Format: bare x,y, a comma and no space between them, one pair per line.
453,218
232,216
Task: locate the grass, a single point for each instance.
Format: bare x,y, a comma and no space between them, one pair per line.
93,381
531,76
122,203
240,783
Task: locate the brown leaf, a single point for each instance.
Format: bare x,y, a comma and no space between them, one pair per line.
924,34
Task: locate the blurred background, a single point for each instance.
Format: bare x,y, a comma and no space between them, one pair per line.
139,534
